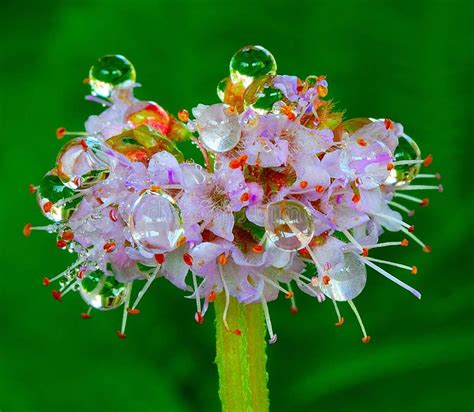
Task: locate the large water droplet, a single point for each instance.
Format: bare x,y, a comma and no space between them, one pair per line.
156,223
109,72
402,175
347,282
251,62
288,224
102,292
80,163
51,195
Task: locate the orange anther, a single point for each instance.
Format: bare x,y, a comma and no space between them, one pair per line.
303,184
181,241
222,259
61,244
47,207
340,322
322,90
155,188
109,246
294,310
56,294
365,252
60,132
159,258
183,115
27,229
356,198
188,259
31,188
84,144
404,242
427,161
388,124
425,202
133,311
414,270
326,279
113,214
85,315
361,142
366,339
237,332
319,189
234,164
244,197
211,297
390,166
67,235
258,248
243,159
411,228
427,249
289,295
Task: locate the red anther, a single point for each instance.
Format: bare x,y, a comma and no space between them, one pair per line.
427,161
361,142
84,144
414,270
304,253
60,132
81,274
388,123
427,249
243,159
100,201
390,166
340,322
121,335
319,189
234,164
47,207
183,115
109,246
222,259
356,198
211,297
45,281
86,81
237,332
31,188
411,228
289,295
27,229
365,252
61,244
199,318
294,310
425,202
159,258
440,188
326,279
113,214
188,259
366,339
244,197
132,311
57,295
258,248
67,235
404,242
303,184
85,315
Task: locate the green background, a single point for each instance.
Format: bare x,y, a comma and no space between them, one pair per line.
407,60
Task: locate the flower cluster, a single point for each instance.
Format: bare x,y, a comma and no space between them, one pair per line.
286,192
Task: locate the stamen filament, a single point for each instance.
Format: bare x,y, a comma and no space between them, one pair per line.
196,294
352,239
401,207
268,321
145,287
403,196
386,262
366,338
393,219
439,188
275,284
340,319
415,238
126,306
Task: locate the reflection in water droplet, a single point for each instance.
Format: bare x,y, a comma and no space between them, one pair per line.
109,72
251,62
402,175
102,292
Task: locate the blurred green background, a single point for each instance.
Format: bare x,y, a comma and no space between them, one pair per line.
407,60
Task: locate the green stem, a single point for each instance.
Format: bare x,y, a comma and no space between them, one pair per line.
241,359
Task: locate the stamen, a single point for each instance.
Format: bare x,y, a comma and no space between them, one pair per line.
288,294
227,302
121,332
386,262
401,207
86,315
393,219
366,338
96,99
352,239
417,240
268,321
411,198
391,277
32,188
340,319
294,308
436,176
183,115
439,188
57,295
199,318
149,281
404,242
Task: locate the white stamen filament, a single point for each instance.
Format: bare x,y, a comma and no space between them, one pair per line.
96,99
263,239
273,283
401,207
292,299
339,317
145,287
196,293
415,238
65,272
385,244
439,188
436,176
359,319
408,162
403,196
386,262
227,298
126,306
48,228
391,277
268,321
393,219
352,239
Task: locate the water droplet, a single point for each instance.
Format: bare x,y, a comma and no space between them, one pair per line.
402,175
51,194
288,224
148,113
219,131
251,62
80,163
348,281
261,96
109,72
222,87
156,223
352,125
102,292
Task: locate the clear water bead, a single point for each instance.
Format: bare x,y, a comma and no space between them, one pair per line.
80,163
218,130
109,72
347,282
102,292
251,62
156,223
402,175
288,224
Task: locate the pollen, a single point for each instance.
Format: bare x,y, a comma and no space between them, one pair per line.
326,279
61,244
322,90
366,339
67,235
414,270
390,166
199,318
133,311
234,164
404,243
31,188
356,198
388,124
84,144
121,335
294,310
319,189
289,295
85,315
27,229
303,184
183,115
427,249
60,132
45,281
425,202
365,252
56,294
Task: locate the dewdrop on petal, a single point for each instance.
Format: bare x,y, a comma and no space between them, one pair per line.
156,223
346,282
102,292
288,225
110,72
78,164
251,62
150,114
407,151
